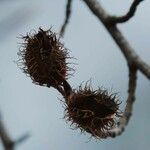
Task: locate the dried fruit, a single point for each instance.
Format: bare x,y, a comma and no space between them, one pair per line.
44,58
92,111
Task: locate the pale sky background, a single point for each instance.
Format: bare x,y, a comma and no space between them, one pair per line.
26,107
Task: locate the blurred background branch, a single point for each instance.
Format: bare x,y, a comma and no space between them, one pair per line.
7,141
67,17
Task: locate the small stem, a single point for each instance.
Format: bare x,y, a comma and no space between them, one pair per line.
67,88
60,90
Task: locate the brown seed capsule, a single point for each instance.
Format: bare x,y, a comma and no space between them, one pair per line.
92,111
44,58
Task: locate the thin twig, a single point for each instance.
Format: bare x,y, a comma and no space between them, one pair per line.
67,88
129,14
67,17
7,142
125,47
129,103
60,90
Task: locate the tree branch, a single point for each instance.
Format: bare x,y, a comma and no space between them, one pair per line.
67,17
129,14
7,142
129,53
129,106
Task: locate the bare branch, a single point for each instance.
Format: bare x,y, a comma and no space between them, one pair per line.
7,142
126,49
23,138
129,14
129,106
67,17
97,10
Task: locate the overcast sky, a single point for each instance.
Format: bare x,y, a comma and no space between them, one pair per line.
26,107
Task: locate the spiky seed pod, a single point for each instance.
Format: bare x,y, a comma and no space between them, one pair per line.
92,111
44,58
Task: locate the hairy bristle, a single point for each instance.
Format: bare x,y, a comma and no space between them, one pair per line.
44,58
93,111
